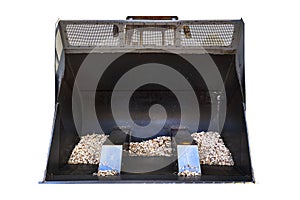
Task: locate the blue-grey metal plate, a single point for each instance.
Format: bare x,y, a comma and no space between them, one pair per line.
111,157
188,158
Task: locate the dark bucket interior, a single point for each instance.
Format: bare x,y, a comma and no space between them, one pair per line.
66,135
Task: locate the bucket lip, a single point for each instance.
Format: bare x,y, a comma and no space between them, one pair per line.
231,48
150,178
234,180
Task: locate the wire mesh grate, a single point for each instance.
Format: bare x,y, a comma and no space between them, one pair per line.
190,35
150,35
91,35
206,35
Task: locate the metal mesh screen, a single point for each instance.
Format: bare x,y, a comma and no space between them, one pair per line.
207,34
193,35
150,35
91,35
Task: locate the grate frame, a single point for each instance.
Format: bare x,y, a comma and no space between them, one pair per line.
91,35
179,44
206,35
150,35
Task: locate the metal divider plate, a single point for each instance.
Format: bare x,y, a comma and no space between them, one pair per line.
111,157
188,158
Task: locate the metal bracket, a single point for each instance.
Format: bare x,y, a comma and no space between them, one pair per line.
188,158
111,157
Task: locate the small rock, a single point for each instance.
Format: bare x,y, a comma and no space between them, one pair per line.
88,150
160,146
212,150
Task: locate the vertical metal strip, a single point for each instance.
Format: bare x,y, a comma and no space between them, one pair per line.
177,35
122,34
239,59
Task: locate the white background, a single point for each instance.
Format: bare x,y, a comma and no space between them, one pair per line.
27,95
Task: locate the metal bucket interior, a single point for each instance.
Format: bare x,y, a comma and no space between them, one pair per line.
73,116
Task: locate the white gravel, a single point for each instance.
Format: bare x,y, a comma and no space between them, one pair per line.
106,173
212,150
160,146
88,150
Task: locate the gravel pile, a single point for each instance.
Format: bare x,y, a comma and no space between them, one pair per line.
88,150
160,146
212,150
188,173
106,173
